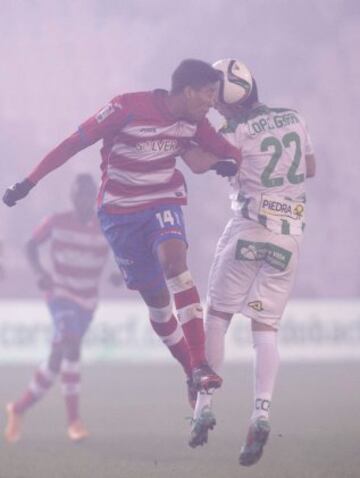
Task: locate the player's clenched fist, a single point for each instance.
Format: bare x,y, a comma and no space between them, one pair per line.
17,192
226,168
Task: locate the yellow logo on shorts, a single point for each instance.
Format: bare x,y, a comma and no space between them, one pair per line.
256,305
299,211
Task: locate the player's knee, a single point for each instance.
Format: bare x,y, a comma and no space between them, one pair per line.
72,348
157,299
172,258
55,358
72,353
173,267
257,326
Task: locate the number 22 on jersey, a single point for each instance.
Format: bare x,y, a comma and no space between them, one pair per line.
278,148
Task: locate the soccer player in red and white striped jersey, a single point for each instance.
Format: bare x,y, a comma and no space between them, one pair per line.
78,253
142,193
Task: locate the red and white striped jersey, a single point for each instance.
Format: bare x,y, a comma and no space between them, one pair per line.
78,253
141,140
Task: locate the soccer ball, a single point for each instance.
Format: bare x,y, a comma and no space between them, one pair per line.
237,82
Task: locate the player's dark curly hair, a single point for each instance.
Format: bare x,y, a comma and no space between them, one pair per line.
194,73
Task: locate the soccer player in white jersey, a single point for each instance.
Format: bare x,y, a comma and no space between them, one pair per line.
78,253
257,255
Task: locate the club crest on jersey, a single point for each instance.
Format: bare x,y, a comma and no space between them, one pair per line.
256,305
105,112
271,206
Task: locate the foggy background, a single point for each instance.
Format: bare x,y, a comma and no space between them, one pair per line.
62,60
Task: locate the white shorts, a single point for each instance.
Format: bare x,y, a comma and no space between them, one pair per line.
253,271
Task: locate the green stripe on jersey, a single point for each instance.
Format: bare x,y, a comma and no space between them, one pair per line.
245,209
285,226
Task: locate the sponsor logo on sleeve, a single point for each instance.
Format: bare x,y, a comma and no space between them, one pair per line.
105,112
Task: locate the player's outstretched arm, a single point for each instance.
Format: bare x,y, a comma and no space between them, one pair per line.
56,158
198,160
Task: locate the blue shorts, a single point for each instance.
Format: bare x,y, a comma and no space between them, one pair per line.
134,239
69,319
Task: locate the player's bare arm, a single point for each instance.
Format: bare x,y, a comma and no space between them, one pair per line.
56,158
310,165
200,161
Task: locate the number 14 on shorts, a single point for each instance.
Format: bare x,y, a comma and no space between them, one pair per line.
167,218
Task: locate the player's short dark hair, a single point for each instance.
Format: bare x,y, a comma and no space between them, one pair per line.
83,180
194,73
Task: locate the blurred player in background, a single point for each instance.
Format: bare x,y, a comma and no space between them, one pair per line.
78,253
142,193
257,255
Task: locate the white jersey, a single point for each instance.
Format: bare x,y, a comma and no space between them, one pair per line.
269,187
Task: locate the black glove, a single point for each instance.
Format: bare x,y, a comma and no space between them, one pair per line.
226,168
16,192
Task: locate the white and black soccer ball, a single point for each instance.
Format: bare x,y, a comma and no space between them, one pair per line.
237,81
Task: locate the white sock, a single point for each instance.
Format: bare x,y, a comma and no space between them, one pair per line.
204,399
265,371
215,331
